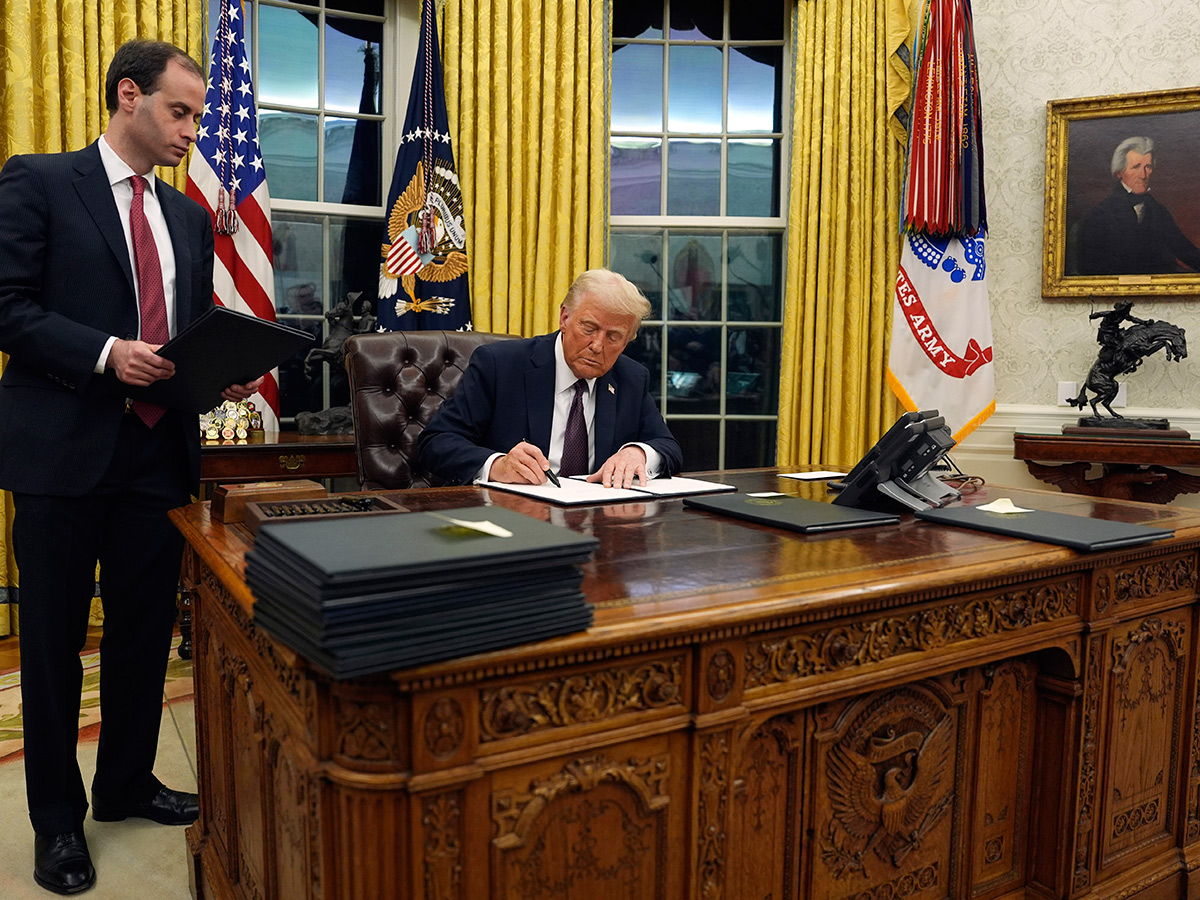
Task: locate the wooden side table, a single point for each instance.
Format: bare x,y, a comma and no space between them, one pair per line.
1134,468
285,455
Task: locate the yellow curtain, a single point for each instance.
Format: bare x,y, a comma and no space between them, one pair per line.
53,55
525,88
843,235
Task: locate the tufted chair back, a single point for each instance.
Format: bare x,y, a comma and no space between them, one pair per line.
397,382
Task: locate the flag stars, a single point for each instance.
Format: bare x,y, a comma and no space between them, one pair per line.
238,160
244,88
240,136
243,113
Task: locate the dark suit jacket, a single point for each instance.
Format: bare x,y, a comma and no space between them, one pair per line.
1111,240
507,395
66,285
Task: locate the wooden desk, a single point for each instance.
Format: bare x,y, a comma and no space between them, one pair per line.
911,711
287,454
1133,468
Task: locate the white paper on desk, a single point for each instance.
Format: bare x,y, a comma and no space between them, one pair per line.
813,476
572,492
676,486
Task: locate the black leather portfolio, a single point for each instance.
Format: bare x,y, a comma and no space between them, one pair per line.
220,348
1078,532
363,594
792,513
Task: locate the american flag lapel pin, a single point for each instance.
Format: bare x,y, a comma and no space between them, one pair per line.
612,390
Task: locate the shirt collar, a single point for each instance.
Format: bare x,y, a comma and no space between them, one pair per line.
118,170
563,376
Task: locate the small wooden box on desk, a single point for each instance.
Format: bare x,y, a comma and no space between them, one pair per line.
1134,468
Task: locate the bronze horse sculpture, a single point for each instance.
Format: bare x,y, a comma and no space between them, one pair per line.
1122,352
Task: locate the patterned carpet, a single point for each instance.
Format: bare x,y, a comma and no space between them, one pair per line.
178,687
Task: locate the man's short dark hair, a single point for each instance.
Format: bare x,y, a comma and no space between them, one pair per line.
143,62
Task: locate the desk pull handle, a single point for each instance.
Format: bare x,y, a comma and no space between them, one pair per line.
291,462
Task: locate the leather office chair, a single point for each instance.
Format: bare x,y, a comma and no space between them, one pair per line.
397,382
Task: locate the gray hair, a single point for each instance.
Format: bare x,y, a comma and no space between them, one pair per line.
609,290
1143,145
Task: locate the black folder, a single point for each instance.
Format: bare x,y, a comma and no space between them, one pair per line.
792,513
220,348
1077,532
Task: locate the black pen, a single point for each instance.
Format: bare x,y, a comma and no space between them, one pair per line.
549,474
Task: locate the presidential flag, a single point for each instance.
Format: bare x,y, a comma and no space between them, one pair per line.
226,176
941,348
423,269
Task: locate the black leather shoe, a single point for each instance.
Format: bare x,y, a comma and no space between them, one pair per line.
61,862
167,807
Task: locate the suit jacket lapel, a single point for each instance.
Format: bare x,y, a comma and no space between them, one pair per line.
177,226
539,391
606,418
96,193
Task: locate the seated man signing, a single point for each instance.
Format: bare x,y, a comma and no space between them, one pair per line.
568,402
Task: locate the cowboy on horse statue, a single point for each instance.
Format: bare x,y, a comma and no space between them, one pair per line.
1122,351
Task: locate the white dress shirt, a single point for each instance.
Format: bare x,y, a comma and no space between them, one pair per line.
119,173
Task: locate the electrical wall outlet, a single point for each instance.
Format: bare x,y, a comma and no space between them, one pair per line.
1068,390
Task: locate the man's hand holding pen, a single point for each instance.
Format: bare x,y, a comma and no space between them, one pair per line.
523,464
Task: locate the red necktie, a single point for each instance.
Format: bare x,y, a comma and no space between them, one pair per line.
151,297
575,439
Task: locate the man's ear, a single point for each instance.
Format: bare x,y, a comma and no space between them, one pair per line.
127,94
563,315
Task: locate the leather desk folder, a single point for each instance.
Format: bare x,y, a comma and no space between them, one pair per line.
220,348
792,513
1080,533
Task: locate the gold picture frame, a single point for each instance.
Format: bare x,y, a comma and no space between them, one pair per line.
1082,136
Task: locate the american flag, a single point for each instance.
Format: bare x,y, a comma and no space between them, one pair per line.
226,176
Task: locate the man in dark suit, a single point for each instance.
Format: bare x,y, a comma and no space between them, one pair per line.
100,262
568,401
1129,232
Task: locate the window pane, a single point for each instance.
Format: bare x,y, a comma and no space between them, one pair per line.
752,380
354,246
753,178
636,174
637,71
698,20
646,348
638,256
754,88
352,66
693,178
694,95
637,19
693,369
289,148
757,20
749,444
755,282
299,276
694,278
352,157
700,442
287,58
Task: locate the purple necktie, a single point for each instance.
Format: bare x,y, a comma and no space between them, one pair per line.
575,440
151,297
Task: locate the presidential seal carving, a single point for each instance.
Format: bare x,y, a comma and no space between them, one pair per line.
890,782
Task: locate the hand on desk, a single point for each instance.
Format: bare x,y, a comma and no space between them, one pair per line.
523,464
620,468
138,363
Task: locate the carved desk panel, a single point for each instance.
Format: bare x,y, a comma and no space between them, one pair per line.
913,711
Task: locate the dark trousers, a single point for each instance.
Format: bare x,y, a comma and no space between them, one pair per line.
123,525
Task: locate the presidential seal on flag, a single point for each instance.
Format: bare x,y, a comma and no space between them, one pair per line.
427,240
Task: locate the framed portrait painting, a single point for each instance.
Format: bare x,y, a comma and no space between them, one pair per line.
1122,214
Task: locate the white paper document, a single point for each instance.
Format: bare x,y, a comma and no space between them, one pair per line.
813,476
577,492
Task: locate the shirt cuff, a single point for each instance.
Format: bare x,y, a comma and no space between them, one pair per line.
103,360
482,474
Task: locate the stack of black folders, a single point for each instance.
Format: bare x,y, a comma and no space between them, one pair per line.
359,595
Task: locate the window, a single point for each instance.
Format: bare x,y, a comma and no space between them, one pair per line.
696,155
320,89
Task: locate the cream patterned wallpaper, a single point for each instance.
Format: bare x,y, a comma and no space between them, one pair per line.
1032,51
